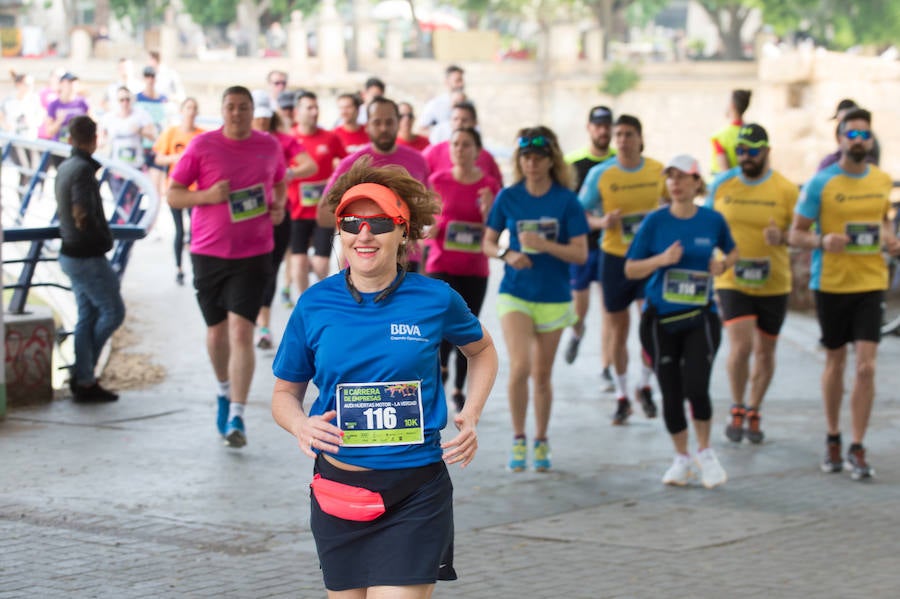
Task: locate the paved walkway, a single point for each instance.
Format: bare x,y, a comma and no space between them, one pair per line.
140,498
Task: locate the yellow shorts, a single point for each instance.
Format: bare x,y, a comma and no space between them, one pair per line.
547,316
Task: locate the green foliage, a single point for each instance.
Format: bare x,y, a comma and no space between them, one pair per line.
618,79
140,12
837,23
212,12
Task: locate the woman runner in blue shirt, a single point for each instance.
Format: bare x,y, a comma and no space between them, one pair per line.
369,338
680,329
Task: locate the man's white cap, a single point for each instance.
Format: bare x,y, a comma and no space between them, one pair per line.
262,105
685,163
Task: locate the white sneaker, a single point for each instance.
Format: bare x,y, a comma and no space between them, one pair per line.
711,472
680,472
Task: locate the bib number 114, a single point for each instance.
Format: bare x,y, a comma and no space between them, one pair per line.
380,418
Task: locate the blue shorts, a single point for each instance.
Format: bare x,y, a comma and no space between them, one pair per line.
582,275
618,290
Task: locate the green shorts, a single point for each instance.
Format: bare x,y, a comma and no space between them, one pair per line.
547,316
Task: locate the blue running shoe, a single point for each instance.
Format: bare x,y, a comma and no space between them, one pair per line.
222,415
518,455
235,436
541,456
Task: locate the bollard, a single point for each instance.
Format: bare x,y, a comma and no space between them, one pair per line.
28,343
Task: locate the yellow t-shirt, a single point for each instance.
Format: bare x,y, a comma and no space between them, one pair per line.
749,207
634,192
855,205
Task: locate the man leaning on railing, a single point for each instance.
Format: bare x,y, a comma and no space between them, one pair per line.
86,238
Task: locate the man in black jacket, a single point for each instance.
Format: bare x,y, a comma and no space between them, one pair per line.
85,240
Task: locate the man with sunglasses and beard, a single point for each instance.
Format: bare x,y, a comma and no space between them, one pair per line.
758,204
848,202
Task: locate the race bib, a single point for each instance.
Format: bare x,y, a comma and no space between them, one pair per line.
689,287
127,154
247,203
378,414
463,237
630,224
548,228
865,238
311,193
752,272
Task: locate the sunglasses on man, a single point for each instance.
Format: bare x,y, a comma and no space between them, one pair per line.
861,134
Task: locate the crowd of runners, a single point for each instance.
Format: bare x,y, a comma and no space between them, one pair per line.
695,253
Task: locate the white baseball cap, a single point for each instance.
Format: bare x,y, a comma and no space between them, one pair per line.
685,163
262,105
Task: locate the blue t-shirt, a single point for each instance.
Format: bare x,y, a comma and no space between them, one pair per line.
332,339
681,286
557,215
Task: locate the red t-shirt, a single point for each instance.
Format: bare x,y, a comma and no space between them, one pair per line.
304,193
418,142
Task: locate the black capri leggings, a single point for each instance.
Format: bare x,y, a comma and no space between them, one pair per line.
683,363
282,236
472,289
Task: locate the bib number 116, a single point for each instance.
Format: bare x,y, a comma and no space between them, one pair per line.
380,418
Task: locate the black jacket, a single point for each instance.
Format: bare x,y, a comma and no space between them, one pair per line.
76,184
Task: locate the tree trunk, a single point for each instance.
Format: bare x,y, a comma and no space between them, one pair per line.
729,22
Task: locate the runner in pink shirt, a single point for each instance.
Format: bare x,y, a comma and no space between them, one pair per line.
454,244
240,193
463,116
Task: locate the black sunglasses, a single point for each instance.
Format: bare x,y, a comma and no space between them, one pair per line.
378,225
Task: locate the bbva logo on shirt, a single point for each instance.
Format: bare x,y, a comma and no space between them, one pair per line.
406,332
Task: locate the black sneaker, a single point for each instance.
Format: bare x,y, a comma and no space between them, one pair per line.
179,278
572,349
459,401
735,429
833,461
623,411
93,394
644,397
859,467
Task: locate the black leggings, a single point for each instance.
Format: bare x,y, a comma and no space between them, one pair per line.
472,289
282,236
683,364
178,217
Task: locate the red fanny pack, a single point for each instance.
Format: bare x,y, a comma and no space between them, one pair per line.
346,501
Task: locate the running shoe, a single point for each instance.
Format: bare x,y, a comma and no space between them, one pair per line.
541,456
286,298
235,435
735,429
518,455
572,349
623,411
459,401
644,396
179,278
833,461
608,383
680,472
265,339
754,433
859,467
711,472
222,414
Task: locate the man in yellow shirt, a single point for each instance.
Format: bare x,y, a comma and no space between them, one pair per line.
758,204
848,201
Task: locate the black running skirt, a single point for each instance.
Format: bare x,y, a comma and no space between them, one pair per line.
410,544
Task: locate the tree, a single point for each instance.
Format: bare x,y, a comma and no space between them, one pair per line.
837,24
729,17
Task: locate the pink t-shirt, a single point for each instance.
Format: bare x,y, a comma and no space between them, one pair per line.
438,159
239,228
456,246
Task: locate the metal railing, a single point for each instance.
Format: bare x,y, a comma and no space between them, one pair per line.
28,201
